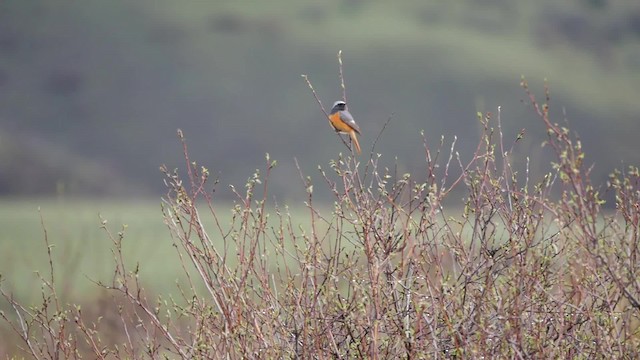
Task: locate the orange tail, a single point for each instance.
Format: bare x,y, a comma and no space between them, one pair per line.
355,141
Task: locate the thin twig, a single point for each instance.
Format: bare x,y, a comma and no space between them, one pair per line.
326,114
344,88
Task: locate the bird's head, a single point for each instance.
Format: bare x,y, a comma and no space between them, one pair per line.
338,106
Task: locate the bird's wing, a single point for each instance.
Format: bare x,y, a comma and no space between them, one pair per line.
347,118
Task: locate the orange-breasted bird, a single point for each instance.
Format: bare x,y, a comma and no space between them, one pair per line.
343,122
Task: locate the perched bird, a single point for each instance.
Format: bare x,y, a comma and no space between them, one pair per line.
343,122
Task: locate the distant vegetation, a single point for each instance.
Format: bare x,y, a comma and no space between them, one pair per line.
91,93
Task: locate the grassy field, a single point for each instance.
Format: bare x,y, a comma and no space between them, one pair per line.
81,249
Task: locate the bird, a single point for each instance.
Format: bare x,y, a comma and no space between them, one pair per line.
343,122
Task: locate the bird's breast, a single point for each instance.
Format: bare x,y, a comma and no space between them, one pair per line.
339,124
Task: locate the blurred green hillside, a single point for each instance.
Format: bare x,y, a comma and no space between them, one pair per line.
92,92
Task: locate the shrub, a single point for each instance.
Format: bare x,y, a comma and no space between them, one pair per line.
525,269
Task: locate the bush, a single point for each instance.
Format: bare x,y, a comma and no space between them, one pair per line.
525,269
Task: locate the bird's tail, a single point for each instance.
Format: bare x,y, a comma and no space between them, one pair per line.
355,141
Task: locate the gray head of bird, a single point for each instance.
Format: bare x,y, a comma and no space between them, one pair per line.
339,106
